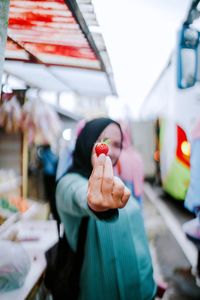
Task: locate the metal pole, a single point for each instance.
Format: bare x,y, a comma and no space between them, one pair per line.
4,8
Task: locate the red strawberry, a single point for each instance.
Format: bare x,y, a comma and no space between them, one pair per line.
102,147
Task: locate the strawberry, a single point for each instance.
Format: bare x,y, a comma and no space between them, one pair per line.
102,147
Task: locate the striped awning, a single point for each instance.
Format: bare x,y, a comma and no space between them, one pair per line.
47,32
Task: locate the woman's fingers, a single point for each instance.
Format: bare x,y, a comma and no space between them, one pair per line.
125,196
95,181
118,189
94,196
120,193
107,182
104,190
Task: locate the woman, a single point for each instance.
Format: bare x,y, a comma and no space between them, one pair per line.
117,262
192,200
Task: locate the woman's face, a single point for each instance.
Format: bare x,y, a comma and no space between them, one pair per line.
112,132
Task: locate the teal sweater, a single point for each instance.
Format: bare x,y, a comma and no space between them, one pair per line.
117,263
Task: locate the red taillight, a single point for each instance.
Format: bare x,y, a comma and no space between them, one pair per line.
183,147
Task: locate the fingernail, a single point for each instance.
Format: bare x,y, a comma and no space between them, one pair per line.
102,157
108,158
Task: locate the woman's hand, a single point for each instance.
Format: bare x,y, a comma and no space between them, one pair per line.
105,191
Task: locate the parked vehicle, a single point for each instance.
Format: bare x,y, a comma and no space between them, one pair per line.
177,98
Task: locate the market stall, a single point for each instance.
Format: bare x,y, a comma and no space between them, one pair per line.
24,221
36,237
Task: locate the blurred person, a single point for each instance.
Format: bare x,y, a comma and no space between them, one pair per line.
49,162
116,263
65,155
130,167
192,200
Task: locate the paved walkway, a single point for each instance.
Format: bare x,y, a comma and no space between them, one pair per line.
170,263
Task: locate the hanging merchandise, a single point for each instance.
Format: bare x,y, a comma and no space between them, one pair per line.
10,115
41,123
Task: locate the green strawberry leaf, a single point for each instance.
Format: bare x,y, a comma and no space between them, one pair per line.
106,141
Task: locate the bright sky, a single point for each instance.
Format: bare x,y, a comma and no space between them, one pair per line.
140,36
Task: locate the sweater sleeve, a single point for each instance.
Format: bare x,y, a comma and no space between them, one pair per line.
71,198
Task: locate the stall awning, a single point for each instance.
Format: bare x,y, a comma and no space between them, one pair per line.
56,33
89,83
48,31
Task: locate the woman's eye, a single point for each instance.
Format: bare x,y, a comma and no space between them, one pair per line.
117,145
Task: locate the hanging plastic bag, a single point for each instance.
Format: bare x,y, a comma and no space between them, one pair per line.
41,122
14,266
10,115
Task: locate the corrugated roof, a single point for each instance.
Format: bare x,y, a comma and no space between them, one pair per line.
48,31
87,10
56,33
